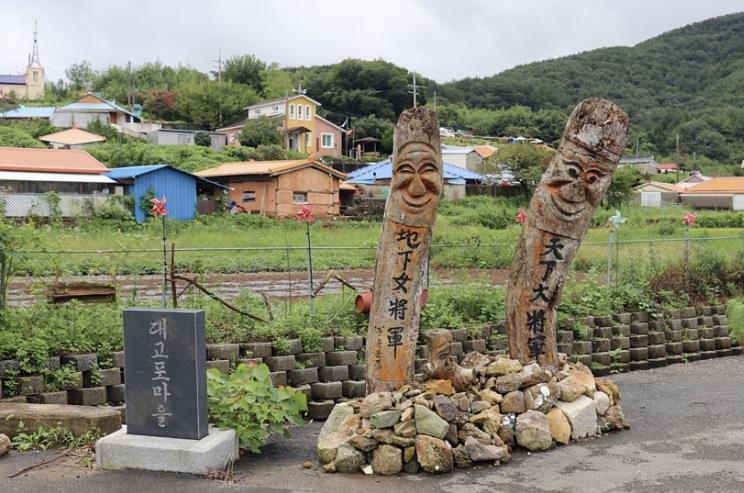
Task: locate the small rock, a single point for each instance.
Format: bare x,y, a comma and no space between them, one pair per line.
580,375
582,415
461,457
4,444
363,443
503,366
329,468
469,430
446,408
385,419
488,420
434,455
532,431
478,406
559,426
367,469
348,459
387,436
513,403
570,389
405,429
307,464
533,374
375,402
407,413
440,387
480,452
610,388
429,423
601,402
411,467
615,418
387,460
475,360
508,383
333,434
490,396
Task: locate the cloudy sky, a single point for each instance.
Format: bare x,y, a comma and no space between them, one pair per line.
441,39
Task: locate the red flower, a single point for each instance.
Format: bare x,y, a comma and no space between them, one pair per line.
158,207
305,213
688,218
522,216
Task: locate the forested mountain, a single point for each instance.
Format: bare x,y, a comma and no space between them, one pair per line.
689,81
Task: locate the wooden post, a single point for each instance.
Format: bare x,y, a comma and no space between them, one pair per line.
402,252
559,215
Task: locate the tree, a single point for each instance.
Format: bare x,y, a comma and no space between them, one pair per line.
81,76
621,188
248,70
526,161
211,104
263,130
203,139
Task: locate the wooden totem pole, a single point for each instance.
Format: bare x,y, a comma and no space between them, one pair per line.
559,215
402,253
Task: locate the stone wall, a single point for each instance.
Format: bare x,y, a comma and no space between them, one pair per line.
336,371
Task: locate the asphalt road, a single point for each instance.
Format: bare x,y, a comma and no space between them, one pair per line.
687,435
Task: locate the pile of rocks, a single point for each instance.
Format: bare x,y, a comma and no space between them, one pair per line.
429,426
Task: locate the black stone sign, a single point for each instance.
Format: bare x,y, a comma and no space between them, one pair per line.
165,372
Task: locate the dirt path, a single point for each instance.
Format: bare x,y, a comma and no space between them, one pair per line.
278,285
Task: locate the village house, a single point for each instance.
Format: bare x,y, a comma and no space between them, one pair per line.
72,138
302,128
725,192
279,188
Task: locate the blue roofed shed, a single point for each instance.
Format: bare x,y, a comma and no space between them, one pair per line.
180,188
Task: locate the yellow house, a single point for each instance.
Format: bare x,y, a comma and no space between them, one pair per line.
297,118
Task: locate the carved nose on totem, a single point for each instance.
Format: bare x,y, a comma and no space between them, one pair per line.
417,188
574,191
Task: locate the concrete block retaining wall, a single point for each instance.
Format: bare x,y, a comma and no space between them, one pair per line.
333,370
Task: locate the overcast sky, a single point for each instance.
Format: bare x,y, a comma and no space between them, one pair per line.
443,40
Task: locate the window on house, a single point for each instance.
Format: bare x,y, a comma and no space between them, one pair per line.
308,140
249,196
326,141
307,112
36,76
299,197
291,111
276,109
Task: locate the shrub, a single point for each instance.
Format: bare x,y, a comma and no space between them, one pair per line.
247,401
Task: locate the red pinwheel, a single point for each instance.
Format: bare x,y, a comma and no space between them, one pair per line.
158,207
305,214
522,216
688,218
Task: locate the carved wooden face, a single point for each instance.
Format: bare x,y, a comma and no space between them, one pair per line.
571,189
416,184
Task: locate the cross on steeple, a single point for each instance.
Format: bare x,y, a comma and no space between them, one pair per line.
33,60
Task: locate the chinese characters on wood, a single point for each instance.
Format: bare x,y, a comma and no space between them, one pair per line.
402,253
560,212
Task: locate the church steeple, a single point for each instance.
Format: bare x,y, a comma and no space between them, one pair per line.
33,60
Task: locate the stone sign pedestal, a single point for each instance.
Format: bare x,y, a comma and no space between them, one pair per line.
166,394
122,450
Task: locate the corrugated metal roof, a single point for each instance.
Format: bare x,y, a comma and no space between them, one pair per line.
456,150
384,171
103,106
46,160
722,184
72,136
265,168
55,177
132,172
13,79
29,112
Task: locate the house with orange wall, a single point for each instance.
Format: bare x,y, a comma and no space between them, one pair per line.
279,188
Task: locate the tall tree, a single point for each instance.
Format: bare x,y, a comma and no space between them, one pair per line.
212,104
81,76
248,70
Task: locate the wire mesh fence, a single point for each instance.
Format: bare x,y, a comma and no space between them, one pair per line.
282,271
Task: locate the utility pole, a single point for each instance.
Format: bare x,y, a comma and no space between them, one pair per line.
414,89
679,165
130,91
219,64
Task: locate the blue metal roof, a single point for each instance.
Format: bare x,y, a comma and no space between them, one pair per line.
29,112
13,79
104,105
133,171
383,170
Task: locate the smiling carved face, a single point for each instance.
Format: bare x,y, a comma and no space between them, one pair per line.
571,189
416,184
